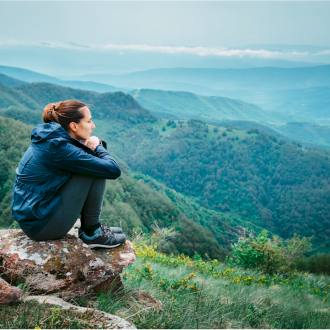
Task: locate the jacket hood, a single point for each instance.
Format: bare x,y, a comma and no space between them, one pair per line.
55,132
50,131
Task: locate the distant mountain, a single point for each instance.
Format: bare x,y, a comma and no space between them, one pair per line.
70,60
222,111
309,132
187,105
21,102
311,102
263,87
9,81
31,76
27,75
223,79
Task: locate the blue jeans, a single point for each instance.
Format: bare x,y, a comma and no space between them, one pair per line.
81,196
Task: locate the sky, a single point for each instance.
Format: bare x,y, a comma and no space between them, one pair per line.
216,29
208,24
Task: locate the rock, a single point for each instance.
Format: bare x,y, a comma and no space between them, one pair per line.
8,293
100,320
148,300
65,265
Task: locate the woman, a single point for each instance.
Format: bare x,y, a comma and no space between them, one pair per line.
62,177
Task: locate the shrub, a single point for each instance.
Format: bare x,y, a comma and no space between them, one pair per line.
269,255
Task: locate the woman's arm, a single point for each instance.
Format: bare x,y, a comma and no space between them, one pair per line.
65,156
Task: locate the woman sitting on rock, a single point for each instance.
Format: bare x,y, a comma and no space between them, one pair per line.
63,176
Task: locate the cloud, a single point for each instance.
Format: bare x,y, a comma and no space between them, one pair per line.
198,50
204,51
324,52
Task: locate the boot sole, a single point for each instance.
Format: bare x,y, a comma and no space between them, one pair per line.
91,246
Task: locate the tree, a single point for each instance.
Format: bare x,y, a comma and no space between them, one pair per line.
297,246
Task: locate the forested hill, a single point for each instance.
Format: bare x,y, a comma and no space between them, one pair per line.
35,96
277,185
9,81
249,175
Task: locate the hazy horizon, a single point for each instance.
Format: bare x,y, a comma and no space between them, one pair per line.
76,38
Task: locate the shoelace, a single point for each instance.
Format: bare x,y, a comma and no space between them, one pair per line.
106,231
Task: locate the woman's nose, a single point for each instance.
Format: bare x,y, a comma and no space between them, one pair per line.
93,126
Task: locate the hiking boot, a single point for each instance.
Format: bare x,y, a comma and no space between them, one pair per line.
114,230
103,238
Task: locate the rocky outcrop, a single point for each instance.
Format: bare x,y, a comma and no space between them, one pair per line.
65,266
97,319
8,293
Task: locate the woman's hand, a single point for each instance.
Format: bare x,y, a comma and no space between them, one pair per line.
92,142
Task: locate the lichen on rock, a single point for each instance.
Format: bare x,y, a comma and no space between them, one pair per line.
66,266
8,293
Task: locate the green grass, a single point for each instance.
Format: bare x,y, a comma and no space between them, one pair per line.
20,316
192,298
217,304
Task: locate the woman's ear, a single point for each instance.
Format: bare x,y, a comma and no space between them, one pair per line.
73,126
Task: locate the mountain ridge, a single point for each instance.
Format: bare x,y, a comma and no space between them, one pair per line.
187,105
230,78
28,76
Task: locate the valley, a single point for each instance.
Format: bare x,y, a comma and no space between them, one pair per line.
231,176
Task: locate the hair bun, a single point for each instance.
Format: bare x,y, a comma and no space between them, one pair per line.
57,105
64,113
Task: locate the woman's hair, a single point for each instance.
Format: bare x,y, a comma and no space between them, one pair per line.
64,113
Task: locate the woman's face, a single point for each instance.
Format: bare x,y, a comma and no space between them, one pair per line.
83,130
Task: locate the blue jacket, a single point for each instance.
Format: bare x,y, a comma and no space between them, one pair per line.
47,164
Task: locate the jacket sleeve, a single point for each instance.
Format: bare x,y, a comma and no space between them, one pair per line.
68,157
